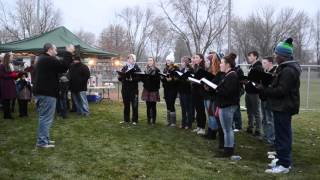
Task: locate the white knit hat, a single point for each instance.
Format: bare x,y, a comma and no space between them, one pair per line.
170,57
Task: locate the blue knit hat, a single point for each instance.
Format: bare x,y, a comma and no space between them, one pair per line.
285,48
220,55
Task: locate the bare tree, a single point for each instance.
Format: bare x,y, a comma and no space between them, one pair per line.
198,22
114,38
5,36
242,43
263,29
161,39
302,34
8,23
138,24
21,22
50,17
87,37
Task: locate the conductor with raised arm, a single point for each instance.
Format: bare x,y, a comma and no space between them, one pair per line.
46,88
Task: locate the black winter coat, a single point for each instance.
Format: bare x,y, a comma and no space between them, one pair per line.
228,90
257,66
46,73
171,85
130,83
284,93
198,89
151,82
79,75
184,86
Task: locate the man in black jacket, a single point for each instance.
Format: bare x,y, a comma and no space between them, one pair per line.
79,75
253,102
284,97
267,114
46,88
130,91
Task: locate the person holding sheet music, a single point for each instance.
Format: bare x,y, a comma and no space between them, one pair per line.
151,86
253,103
227,99
170,88
214,69
185,95
237,120
284,97
267,114
197,93
130,91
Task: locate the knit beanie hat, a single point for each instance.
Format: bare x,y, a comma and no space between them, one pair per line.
220,55
170,58
285,48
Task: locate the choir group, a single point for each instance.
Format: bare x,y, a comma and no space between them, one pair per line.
209,90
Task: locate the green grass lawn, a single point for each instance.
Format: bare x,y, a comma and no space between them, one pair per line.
99,147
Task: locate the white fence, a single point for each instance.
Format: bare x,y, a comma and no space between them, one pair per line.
309,89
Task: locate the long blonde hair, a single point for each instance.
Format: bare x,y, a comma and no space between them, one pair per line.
6,62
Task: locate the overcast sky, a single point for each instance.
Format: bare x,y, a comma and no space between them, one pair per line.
94,15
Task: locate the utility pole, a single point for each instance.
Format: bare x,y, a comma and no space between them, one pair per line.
38,14
318,37
229,26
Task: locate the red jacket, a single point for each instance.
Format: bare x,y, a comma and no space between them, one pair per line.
7,84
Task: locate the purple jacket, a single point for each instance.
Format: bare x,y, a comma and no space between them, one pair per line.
7,85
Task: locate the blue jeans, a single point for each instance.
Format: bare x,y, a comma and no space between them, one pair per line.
210,109
46,107
81,102
267,123
186,109
226,119
237,119
283,137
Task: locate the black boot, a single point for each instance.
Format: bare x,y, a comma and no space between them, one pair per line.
214,134
228,151
210,134
221,138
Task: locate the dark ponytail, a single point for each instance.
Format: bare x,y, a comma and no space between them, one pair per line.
231,59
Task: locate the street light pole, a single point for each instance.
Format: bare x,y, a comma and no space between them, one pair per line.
229,26
38,14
